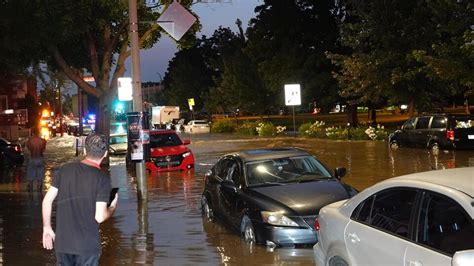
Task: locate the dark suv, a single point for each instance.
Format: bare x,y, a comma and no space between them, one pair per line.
436,131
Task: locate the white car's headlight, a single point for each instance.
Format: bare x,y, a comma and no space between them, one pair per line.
186,154
276,218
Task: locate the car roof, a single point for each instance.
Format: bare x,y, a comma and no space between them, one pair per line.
461,179
118,134
162,131
268,153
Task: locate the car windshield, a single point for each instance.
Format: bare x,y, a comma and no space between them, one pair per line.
118,139
164,140
200,122
285,170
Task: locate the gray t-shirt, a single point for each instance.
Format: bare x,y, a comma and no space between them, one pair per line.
79,186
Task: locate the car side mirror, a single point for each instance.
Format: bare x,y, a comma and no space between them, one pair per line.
464,257
186,142
228,186
340,172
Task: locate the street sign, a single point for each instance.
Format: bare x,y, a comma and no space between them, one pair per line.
176,20
292,94
191,103
125,90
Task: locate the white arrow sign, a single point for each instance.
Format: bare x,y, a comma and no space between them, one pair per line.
292,94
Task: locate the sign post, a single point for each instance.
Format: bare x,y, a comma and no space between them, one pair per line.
292,98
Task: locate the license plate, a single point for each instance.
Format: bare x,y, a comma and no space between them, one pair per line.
470,136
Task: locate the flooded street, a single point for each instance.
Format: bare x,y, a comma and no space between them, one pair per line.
169,229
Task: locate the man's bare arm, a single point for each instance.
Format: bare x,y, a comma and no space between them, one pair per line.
102,212
47,207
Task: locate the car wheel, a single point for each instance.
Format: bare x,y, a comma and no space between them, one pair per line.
247,230
434,148
337,261
394,145
206,209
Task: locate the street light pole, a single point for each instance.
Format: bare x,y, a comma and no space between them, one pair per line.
137,87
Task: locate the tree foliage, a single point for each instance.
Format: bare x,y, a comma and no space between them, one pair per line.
288,41
390,43
92,38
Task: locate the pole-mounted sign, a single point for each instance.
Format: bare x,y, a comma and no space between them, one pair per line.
292,98
176,20
292,94
125,90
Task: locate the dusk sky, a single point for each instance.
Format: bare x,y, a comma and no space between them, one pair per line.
154,62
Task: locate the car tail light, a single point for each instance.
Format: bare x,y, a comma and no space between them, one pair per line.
450,134
316,224
17,148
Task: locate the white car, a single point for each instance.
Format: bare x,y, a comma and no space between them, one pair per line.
413,220
118,144
197,126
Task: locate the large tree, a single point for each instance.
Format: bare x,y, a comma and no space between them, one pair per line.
288,41
383,37
92,38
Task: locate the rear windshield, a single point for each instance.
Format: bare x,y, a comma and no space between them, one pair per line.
200,123
164,140
118,139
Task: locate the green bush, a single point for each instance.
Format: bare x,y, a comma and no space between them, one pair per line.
225,125
336,132
357,133
247,128
377,133
303,129
266,129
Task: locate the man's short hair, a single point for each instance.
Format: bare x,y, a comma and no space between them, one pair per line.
96,145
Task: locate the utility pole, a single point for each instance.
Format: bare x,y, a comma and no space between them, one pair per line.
137,88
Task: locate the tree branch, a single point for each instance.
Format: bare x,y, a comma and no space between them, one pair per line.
73,74
108,49
94,58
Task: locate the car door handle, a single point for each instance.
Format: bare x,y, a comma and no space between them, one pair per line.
414,263
353,237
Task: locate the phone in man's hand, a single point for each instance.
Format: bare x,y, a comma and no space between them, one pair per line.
112,195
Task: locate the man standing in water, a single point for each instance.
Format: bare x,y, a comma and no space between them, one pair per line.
83,192
35,170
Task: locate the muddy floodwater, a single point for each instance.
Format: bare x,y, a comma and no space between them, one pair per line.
168,228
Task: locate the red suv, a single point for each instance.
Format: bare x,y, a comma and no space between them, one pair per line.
168,152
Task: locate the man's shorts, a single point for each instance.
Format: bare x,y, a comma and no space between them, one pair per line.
35,169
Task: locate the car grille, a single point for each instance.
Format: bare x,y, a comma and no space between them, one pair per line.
167,161
309,220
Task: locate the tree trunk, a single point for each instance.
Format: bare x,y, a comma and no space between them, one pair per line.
411,108
104,114
466,107
352,114
373,117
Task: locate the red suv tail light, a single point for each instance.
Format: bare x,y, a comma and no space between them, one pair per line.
316,224
450,135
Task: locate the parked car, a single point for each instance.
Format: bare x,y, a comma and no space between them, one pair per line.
11,154
436,131
418,219
197,126
168,152
272,196
118,144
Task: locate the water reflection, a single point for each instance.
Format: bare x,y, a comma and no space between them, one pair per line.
168,229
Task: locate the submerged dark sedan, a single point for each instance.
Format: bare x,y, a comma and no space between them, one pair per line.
272,196
11,154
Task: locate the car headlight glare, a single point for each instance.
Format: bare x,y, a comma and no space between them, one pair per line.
186,154
276,218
